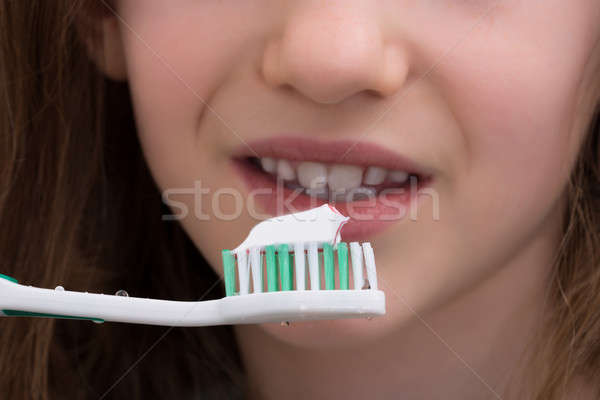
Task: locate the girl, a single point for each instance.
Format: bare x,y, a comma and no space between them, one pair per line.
140,137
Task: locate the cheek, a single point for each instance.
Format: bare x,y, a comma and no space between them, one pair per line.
514,95
177,59
514,85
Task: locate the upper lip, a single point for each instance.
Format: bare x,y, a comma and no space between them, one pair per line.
346,151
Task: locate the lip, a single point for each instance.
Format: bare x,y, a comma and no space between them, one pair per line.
339,151
367,217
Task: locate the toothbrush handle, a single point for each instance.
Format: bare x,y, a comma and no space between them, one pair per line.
256,308
20,300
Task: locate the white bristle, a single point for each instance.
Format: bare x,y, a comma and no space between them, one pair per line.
256,265
300,260
313,265
244,273
370,265
356,254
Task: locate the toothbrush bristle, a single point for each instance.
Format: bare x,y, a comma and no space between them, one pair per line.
257,270
328,267
229,272
313,264
283,263
271,269
357,264
300,266
370,265
285,268
243,272
342,256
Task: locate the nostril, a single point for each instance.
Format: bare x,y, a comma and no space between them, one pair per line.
374,93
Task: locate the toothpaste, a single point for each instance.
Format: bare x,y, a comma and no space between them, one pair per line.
321,225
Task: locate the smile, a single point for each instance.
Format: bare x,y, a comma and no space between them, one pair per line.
368,183
337,183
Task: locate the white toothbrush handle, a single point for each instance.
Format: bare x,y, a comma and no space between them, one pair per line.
254,308
18,299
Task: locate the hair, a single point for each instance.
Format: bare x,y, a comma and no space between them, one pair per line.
78,207
568,346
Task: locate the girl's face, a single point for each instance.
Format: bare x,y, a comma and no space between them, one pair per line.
488,100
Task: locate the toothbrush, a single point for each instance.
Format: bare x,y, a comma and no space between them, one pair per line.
280,245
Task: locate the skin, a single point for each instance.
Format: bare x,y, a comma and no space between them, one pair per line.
499,121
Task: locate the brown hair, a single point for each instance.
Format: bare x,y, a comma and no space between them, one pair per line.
78,206
568,346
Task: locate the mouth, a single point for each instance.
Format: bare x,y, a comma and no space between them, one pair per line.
372,185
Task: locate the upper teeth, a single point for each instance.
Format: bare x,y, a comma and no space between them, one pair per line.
398,176
285,170
312,175
268,164
344,177
375,175
339,178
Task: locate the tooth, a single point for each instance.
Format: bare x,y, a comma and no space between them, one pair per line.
356,194
268,164
285,170
398,176
344,177
312,175
375,175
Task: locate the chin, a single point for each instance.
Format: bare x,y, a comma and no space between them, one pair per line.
335,334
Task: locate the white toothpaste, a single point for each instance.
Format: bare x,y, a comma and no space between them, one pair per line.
321,225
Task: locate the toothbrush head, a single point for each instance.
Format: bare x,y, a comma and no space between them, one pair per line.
286,294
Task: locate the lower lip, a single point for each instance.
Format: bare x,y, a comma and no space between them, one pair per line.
367,217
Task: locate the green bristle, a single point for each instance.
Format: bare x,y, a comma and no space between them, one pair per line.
328,266
271,269
342,253
291,270
229,272
285,268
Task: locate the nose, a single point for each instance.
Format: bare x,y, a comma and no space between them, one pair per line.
334,50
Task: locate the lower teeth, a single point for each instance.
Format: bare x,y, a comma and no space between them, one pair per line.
360,193
364,193
321,193
356,194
